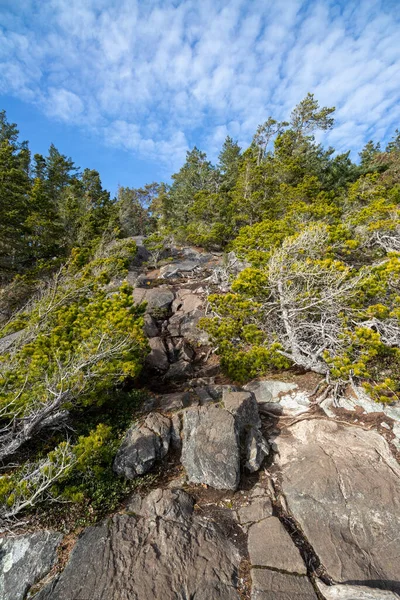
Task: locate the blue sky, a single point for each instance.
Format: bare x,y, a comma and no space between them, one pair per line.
127,86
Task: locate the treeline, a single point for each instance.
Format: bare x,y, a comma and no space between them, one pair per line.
48,207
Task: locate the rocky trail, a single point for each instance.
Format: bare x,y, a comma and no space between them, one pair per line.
267,495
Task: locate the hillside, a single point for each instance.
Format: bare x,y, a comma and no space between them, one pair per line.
200,381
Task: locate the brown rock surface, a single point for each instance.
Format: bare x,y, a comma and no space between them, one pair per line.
342,485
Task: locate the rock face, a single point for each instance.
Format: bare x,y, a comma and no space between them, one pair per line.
342,485
25,560
143,445
168,553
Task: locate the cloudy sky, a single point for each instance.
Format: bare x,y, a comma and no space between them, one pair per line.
127,86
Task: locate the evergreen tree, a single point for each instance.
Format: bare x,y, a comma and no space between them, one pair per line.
197,174
228,163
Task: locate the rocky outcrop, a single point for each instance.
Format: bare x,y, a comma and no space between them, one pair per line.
25,560
167,553
342,485
143,445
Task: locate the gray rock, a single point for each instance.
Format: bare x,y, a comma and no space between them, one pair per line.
142,254
342,485
396,431
186,302
176,429
190,331
235,265
193,254
159,299
7,341
272,585
243,406
174,401
365,402
354,592
271,546
203,395
150,327
158,357
169,504
25,560
142,446
179,370
178,269
210,452
269,390
259,508
279,397
171,553
257,449
184,351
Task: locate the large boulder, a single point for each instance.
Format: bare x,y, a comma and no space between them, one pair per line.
216,439
143,445
342,485
168,553
25,560
210,451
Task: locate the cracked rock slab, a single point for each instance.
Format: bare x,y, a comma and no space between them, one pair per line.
273,585
271,546
342,485
171,553
25,560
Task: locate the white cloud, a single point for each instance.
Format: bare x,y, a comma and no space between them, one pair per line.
151,76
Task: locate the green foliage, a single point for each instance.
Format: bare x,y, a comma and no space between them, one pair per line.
81,340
